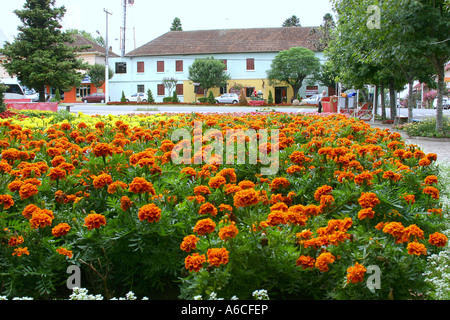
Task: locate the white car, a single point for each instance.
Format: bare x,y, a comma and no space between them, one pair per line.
312,100
228,98
134,97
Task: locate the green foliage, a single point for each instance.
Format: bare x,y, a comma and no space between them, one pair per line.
427,128
209,72
176,25
150,96
123,98
270,98
2,101
211,99
97,74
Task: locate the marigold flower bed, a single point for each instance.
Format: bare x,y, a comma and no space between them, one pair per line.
351,212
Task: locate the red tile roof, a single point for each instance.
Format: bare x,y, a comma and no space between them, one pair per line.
228,41
82,41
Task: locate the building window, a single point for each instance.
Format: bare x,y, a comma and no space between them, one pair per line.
140,67
121,67
250,64
180,89
225,62
160,66
223,90
179,66
249,91
141,88
161,90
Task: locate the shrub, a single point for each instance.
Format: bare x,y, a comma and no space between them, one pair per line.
211,99
243,99
123,98
175,97
427,128
270,99
150,96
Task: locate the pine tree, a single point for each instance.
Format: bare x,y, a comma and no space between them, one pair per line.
150,96
176,25
270,99
41,54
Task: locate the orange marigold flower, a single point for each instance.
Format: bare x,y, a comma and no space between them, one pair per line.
29,209
228,232
396,229
28,190
413,231
432,191
190,172
150,212
323,260
431,180
299,157
204,226
322,191
228,174
20,251
94,221
7,201
201,190
366,213
368,200
355,274
15,241
102,150
363,177
217,182
194,262
409,198
116,185
125,203
245,198
65,252
15,185
61,230
392,175
279,183
305,234
57,173
140,185
217,256
306,262
189,243
416,248
208,208
225,208
275,218
102,180
41,218
437,239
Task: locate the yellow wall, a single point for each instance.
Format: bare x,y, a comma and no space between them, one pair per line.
258,84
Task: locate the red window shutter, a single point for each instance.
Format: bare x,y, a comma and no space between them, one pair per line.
161,90
179,65
160,66
250,64
140,67
225,63
180,89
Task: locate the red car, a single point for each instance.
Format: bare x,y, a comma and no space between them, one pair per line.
95,97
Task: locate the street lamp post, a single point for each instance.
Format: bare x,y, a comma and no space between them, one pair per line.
106,60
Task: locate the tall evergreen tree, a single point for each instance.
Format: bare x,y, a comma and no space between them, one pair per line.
41,54
292,22
176,25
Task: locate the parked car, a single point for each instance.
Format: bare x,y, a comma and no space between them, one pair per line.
445,103
134,97
228,98
95,97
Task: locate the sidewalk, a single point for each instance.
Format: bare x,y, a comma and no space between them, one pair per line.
439,146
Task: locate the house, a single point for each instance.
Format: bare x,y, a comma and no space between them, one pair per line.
94,55
246,53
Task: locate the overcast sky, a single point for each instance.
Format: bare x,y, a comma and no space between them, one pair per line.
147,20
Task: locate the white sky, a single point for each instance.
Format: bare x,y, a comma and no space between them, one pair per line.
150,19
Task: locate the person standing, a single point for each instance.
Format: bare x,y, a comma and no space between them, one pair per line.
322,95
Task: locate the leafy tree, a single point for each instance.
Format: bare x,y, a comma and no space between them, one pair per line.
169,83
2,101
324,33
176,25
209,72
40,55
292,67
292,22
97,74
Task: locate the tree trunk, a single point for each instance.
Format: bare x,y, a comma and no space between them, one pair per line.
392,99
383,102
440,94
375,101
42,94
410,100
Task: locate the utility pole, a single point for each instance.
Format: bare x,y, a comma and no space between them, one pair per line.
124,27
106,59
